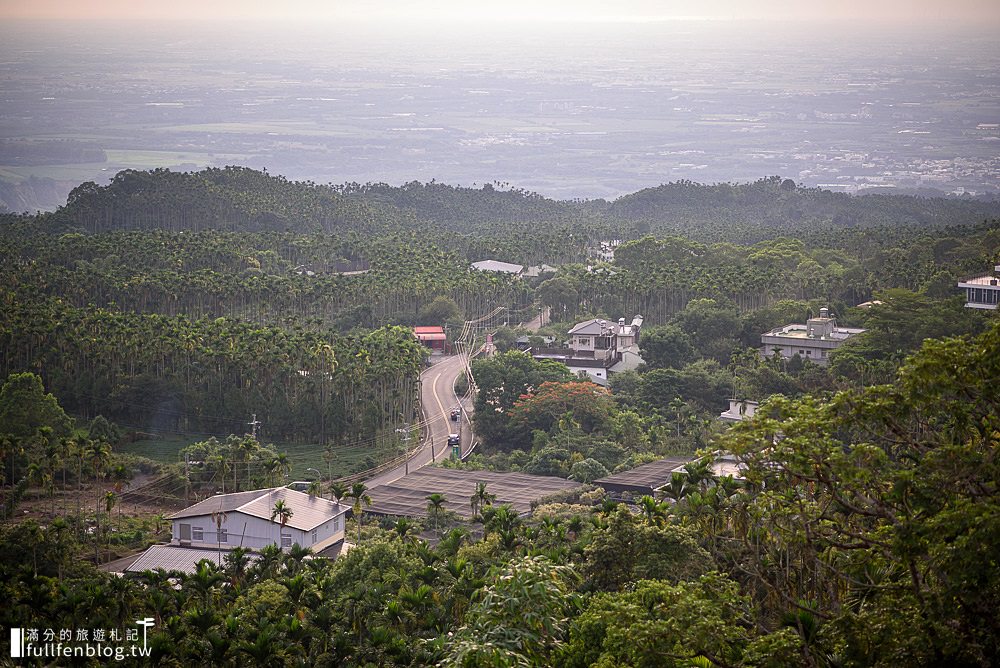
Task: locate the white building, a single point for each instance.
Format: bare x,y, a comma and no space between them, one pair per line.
982,291
498,267
813,341
599,348
243,519
739,410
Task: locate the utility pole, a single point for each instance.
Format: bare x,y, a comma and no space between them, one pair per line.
254,423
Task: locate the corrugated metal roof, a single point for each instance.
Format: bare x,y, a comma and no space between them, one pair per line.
220,503
496,265
308,512
643,479
176,558
408,495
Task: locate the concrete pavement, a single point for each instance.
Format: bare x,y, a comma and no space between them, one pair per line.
437,398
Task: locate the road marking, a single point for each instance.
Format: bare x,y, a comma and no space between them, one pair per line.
444,415
434,383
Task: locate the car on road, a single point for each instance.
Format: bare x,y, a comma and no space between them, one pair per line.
456,413
454,439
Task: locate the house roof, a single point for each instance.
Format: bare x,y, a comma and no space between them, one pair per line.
538,270
801,333
308,512
434,333
592,327
176,558
630,360
496,265
220,503
644,479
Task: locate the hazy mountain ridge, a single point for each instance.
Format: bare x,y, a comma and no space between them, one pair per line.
244,199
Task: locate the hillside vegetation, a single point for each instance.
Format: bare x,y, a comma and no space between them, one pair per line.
862,531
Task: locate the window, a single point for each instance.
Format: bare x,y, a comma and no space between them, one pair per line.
583,341
315,535
286,540
197,533
336,524
223,536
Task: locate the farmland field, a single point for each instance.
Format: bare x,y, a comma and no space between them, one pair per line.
302,455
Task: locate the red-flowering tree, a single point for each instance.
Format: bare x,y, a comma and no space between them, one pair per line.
588,405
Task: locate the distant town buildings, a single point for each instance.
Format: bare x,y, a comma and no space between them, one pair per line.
599,348
982,291
813,341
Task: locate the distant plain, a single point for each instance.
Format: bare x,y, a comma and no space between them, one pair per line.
581,112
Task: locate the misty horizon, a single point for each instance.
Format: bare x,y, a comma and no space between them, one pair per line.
571,110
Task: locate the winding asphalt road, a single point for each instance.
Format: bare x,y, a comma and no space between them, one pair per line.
437,398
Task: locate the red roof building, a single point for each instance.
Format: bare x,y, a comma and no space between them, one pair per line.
432,337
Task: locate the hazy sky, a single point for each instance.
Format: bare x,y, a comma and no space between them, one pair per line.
929,12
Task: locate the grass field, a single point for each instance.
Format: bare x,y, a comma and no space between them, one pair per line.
302,455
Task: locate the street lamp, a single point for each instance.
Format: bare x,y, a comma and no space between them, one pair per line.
318,474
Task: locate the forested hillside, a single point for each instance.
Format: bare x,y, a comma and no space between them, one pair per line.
861,531
754,211
238,198
301,259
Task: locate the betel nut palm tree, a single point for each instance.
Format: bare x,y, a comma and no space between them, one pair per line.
359,492
283,513
435,504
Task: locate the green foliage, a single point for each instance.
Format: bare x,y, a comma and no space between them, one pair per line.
518,619
560,404
866,532
102,430
887,496
666,347
441,310
171,374
904,319
628,548
235,464
587,470
502,380
663,624
25,408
